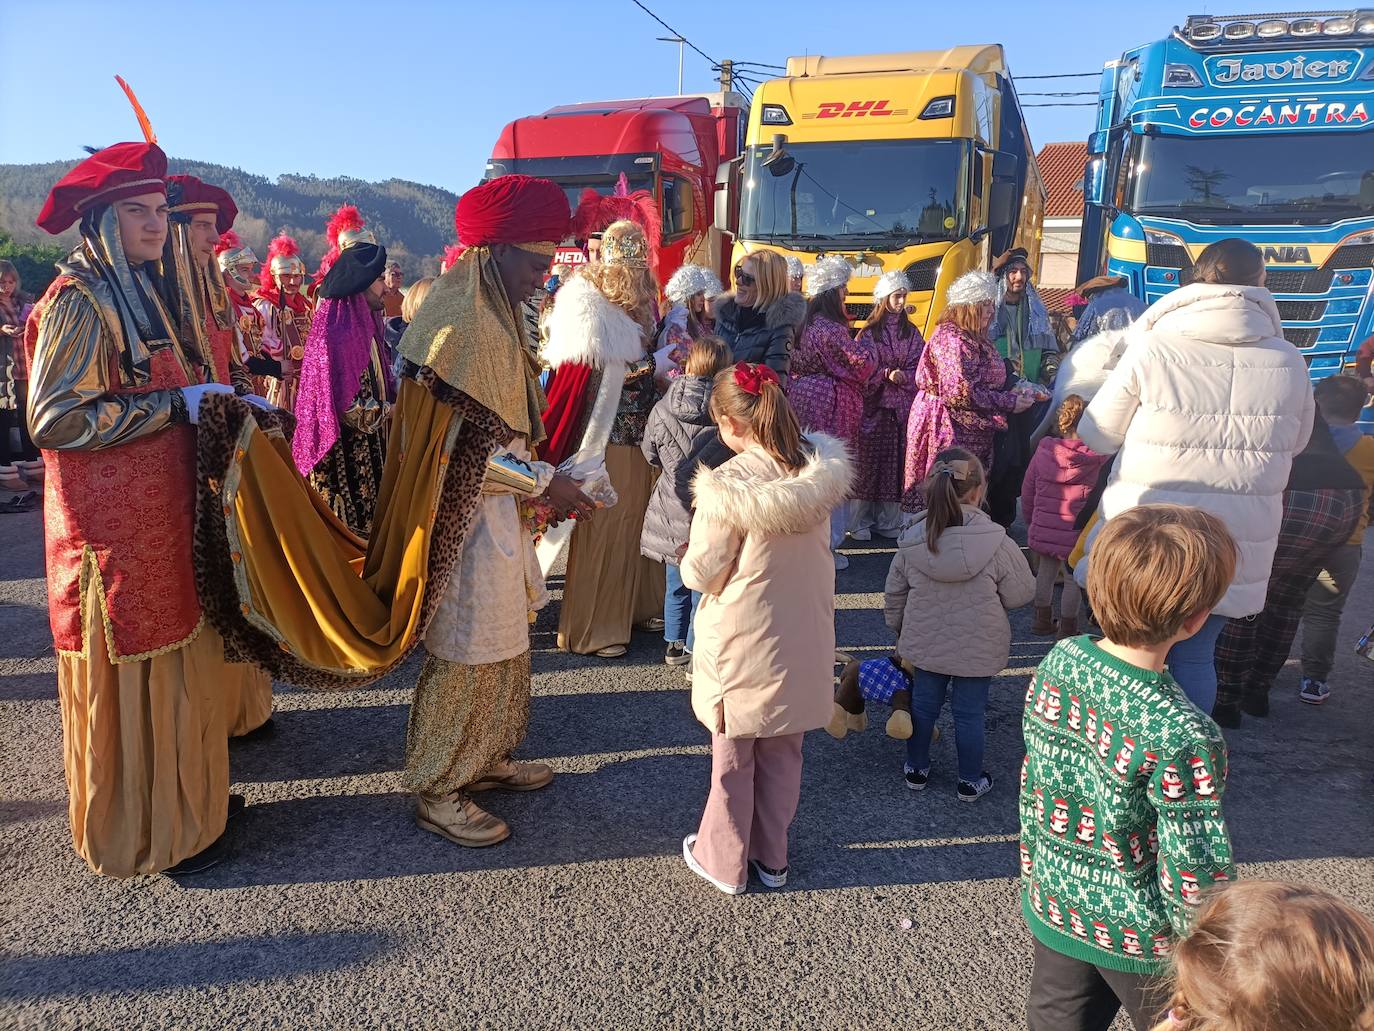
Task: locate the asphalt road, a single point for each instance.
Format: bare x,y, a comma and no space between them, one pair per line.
336,911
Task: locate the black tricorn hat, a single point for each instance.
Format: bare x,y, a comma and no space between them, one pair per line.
355,269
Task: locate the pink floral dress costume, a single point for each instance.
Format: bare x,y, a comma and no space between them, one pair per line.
882,436
960,402
829,376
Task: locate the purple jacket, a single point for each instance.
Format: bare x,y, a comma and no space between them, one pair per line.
830,374
1058,481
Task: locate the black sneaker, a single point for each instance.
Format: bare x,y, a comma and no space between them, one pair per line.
972,792
767,876
677,654
916,779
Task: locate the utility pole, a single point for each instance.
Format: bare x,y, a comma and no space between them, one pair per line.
727,75
679,41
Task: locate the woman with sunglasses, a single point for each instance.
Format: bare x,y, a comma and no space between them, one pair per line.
760,320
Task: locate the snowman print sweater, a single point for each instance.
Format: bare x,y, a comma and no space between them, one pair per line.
1121,819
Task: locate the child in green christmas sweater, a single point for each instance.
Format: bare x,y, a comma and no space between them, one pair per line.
1121,788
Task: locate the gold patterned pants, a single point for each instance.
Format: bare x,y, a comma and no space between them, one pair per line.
464,720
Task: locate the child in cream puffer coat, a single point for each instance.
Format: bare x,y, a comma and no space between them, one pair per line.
955,575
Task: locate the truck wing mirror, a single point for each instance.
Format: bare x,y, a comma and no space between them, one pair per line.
1097,142
727,181
1095,179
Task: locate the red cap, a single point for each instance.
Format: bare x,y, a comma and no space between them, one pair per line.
119,171
187,195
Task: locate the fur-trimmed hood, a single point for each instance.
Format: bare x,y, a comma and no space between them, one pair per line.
788,310
754,494
586,329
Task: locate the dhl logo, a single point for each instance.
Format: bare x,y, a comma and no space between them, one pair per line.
855,109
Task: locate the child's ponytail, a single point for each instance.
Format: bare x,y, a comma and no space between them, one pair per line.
954,476
752,395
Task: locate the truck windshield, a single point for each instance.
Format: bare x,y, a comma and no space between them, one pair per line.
1277,178
870,192
575,174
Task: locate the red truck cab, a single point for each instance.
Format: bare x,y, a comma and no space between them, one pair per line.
669,146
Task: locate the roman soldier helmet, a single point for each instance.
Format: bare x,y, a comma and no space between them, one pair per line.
283,259
238,262
345,229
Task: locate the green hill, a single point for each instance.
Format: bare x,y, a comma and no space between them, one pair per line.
413,221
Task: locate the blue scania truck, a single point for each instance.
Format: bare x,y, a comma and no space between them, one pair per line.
1257,126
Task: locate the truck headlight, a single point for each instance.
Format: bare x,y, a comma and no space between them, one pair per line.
940,107
1162,239
775,114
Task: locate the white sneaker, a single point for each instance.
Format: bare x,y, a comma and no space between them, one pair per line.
841,561
700,871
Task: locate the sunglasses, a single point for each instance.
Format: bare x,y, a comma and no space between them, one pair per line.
743,278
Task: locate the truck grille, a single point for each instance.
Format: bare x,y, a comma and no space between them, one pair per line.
1301,337
1318,281
922,274
858,312
1167,255
1301,311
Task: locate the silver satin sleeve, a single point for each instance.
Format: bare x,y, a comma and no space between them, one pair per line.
364,415
72,404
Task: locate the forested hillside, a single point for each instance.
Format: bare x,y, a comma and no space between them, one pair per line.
413,221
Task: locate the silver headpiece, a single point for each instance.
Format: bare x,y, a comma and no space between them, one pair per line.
795,268
889,283
688,281
829,273
976,287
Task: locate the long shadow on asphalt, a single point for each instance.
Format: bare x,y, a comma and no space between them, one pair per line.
306,744
187,965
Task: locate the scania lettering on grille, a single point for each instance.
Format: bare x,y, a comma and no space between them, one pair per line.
1278,115
854,109
1287,255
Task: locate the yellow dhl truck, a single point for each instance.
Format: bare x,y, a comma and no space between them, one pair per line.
915,161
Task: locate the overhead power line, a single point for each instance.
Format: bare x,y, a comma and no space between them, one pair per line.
760,64
1066,75
675,32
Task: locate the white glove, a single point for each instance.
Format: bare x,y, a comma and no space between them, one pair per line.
258,401
193,395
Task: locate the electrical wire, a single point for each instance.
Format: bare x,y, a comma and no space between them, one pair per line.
675,32
1066,75
760,64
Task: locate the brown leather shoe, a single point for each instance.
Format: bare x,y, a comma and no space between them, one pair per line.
509,776
459,819
1043,624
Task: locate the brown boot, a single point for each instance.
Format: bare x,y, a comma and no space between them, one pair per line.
1068,627
1043,625
458,818
509,776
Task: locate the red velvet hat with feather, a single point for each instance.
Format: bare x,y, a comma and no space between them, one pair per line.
345,227
596,211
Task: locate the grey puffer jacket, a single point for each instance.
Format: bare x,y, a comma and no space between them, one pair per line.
761,338
680,439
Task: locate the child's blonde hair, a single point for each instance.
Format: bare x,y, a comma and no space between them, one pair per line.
415,297
1153,567
708,356
1070,412
1265,956
770,419
954,476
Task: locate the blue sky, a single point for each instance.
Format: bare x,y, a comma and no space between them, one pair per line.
419,89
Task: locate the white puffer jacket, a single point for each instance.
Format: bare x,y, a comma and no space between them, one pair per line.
1206,408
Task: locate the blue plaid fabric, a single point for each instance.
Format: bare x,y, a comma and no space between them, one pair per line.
878,678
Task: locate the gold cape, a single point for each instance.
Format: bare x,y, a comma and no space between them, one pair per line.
466,332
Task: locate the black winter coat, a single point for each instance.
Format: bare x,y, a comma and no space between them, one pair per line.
680,438
768,339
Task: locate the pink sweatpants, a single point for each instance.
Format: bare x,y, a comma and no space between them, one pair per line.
755,785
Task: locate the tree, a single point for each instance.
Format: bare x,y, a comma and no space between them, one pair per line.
35,262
